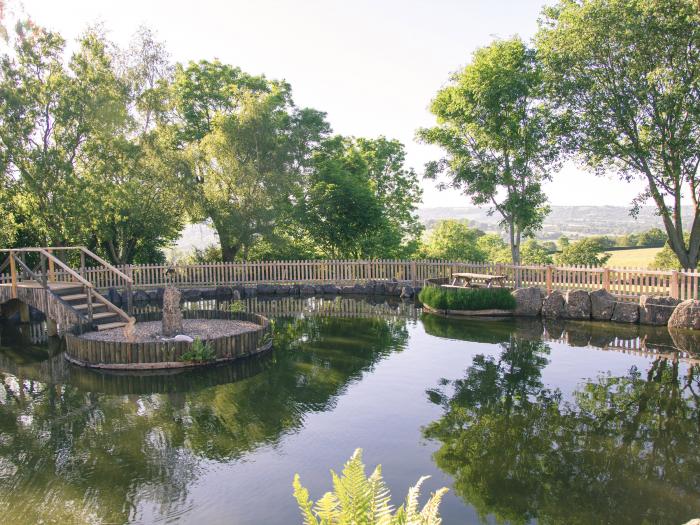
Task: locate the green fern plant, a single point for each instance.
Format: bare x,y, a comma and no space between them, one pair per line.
199,352
360,500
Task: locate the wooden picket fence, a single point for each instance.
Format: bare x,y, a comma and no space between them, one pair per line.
626,283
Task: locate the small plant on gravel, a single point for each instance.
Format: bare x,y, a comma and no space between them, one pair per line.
199,352
238,307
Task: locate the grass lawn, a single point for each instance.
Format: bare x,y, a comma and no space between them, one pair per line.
639,258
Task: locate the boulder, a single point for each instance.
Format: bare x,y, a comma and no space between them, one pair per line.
193,294
266,289
224,292
141,297
250,291
686,315
553,305
625,312
347,290
528,301
331,289
307,289
380,289
208,293
114,297
236,295
656,309
602,305
407,292
283,289
578,305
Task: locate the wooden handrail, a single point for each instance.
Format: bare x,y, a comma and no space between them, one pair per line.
110,305
65,267
106,264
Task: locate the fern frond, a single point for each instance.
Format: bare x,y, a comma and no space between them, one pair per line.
305,505
380,497
327,509
430,515
411,507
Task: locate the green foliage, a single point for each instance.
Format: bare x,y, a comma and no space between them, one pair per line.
498,136
467,298
624,74
455,241
360,500
535,253
238,307
199,352
586,252
361,200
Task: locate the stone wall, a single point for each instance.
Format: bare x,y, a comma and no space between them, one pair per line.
600,305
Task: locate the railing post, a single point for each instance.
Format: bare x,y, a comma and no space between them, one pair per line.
44,277
52,276
675,291
606,279
13,274
88,292
548,279
129,295
82,264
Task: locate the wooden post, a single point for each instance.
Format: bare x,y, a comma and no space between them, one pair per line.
548,279
606,279
414,273
82,264
51,327
13,274
52,276
674,292
24,315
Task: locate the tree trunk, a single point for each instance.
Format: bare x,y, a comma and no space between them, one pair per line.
515,252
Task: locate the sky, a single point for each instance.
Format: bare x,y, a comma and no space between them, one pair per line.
372,66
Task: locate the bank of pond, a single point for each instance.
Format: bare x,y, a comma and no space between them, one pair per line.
525,420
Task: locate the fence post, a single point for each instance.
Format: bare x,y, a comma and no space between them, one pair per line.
414,273
548,279
674,285
606,279
13,274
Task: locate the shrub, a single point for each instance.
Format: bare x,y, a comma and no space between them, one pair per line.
199,352
363,500
467,298
237,307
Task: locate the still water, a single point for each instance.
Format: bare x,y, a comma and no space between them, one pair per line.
561,424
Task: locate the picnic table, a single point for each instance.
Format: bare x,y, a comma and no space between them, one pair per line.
466,280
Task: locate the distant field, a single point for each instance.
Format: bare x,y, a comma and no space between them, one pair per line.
639,258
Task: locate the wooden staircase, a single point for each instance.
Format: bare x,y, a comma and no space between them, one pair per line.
67,286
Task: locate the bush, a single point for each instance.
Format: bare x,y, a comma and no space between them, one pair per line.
361,500
467,299
200,352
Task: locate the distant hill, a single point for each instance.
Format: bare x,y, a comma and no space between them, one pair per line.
572,221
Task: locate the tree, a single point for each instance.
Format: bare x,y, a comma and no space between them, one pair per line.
534,253
654,238
496,133
249,148
455,241
360,200
625,76
341,211
586,252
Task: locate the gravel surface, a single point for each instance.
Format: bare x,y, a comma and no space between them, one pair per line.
196,328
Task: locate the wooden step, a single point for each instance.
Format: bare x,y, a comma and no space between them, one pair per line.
109,326
104,315
74,297
84,306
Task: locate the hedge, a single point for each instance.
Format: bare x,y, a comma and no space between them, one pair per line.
467,299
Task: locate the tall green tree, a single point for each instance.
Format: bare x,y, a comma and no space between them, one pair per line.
455,241
496,133
249,147
625,74
360,200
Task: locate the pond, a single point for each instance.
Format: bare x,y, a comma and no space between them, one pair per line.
567,423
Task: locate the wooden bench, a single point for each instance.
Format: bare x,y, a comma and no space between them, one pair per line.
466,280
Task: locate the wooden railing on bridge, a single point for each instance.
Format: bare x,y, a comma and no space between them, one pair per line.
626,283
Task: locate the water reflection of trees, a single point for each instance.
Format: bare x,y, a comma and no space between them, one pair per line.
622,450
68,454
